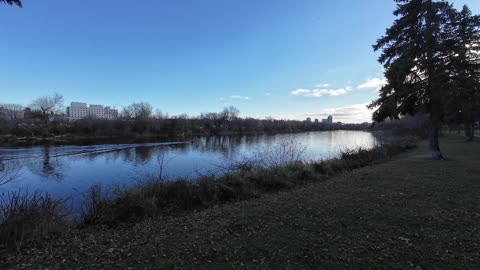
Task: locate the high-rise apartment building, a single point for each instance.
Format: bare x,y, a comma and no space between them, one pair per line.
329,120
78,110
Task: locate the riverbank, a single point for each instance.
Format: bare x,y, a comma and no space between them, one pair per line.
408,213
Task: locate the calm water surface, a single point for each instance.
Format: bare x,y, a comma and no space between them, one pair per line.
68,171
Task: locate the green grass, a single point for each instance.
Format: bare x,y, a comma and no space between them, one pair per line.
409,213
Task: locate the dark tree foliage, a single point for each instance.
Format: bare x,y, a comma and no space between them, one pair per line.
12,2
464,98
418,52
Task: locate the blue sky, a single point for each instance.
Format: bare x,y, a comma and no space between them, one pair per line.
280,58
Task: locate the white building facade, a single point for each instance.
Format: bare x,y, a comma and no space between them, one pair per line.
79,110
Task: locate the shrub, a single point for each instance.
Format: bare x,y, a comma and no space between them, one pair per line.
181,194
272,179
282,153
26,218
207,191
96,207
323,167
236,186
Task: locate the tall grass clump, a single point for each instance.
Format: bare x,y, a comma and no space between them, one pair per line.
25,218
282,153
147,199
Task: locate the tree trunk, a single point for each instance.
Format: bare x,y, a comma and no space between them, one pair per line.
433,138
473,131
469,131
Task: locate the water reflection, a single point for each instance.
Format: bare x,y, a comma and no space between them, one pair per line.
61,170
9,171
47,165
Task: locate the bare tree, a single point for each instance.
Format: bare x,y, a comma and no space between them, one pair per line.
160,115
281,153
230,113
48,105
227,115
12,107
11,2
214,118
141,110
161,164
11,111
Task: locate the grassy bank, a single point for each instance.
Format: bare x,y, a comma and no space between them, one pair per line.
409,213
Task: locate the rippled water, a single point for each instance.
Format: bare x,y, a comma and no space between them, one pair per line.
67,171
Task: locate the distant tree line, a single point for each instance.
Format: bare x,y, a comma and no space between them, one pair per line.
431,56
45,117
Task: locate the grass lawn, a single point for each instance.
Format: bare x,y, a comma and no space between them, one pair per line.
408,213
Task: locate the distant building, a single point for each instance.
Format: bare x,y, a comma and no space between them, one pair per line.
328,120
309,119
78,110
316,121
9,114
110,113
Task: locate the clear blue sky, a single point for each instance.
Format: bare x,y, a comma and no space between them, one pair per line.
281,58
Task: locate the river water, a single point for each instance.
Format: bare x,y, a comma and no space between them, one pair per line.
68,171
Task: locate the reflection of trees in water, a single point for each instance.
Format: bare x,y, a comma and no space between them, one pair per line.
111,156
143,154
47,166
228,146
127,155
9,171
255,139
177,148
139,155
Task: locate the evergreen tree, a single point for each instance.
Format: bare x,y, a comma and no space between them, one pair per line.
11,2
464,99
415,56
